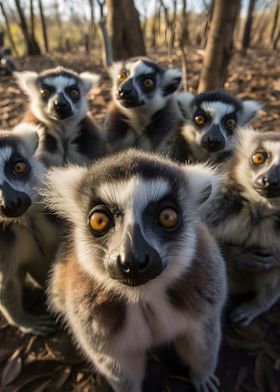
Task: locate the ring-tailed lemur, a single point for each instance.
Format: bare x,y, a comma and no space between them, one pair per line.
137,267
28,239
245,218
144,112
212,119
58,103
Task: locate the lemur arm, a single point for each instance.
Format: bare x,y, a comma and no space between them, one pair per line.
255,259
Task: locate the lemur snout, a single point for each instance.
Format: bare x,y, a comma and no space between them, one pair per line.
213,140
14,203
128,95
139,263
62,107
268,184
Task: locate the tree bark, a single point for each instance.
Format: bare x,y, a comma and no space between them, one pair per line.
248,25
125,29
44,26
12,42
184,30
275,32
219,45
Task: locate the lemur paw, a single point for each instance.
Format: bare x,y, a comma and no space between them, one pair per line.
243,315
41,325
211,384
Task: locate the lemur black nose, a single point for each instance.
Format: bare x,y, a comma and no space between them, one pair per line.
213,140
124,91
14,203
263,182
139,263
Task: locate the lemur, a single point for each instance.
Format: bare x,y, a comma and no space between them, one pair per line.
137,267
59,104
144,112
245,218
211,122
28,239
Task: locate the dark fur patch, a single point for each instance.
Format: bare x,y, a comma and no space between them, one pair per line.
50,143
217,96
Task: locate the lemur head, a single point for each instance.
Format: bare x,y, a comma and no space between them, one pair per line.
257,165
57,94
21,170
140,83
134,222
214,117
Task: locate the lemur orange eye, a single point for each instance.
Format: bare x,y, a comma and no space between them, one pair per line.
259,158
19,167
123,75
45,92
168,218
99,222
74,93
231,123
148,83
200,120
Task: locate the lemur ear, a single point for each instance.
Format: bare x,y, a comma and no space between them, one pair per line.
204,182
26,80
61,191
171,81
250,110
90,80
185,104
29,134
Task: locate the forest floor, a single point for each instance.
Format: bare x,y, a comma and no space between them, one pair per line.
249,358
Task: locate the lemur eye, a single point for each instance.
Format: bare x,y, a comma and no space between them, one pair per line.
200,120
99,222
122,76
20,167
168,218
259,158
45,92
231,123
148,83
74,93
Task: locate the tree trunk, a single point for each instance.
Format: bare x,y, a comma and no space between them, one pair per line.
275,32
184,31
219,45
31,44
92,27
34,43
12,42
125,29
248,25
44,26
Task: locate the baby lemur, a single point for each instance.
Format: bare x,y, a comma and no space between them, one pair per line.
137,268
211,122
245,218
144,112
28,239
58,102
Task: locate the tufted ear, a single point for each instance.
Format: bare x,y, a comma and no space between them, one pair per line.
204,182
27,81
185,104
29,134
171,81
250,110
90,80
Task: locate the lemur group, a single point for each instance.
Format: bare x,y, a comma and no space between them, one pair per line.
140,231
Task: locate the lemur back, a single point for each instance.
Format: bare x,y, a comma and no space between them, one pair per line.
59,105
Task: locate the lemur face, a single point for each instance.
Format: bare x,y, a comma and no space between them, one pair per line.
20,170
134,217
142,83
215,116
57,94
258,164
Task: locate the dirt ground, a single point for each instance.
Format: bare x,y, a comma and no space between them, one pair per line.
249,358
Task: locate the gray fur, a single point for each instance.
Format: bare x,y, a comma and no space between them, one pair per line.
115,323
27,242
245,222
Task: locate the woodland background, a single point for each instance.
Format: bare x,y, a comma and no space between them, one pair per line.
229,44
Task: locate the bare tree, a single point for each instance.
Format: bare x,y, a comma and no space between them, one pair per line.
92,26
184,29
219,45
248,25
8,28
30,41
125,29
44,26
275,32
107,51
